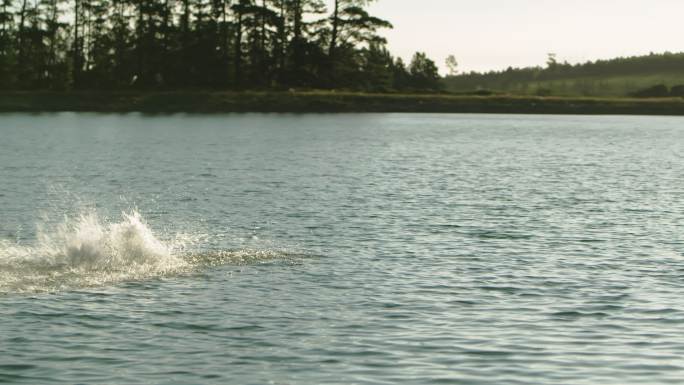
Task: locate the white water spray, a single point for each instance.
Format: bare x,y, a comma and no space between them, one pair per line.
88,251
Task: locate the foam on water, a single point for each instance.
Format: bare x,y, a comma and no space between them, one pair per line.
86,251
90,251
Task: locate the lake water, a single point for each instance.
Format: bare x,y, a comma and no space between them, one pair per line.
341,249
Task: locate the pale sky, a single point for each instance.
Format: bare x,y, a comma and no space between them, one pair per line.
493,34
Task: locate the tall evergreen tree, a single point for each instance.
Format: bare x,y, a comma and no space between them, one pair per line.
153,44
7,47
351,27
424,72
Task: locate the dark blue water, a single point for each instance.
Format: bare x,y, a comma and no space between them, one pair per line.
340,249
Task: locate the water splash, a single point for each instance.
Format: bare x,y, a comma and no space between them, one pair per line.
90,251
87,251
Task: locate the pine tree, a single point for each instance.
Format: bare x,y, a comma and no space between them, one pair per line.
7,46
179,44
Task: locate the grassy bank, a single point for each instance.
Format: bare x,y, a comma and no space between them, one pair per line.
300,102
610,86
617,77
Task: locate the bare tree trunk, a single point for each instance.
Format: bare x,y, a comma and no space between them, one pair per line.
20,34
224,30
297,38
263,25
282,37
185,27
87,38
77,45
167,28
238,48
4,20
53,39
333,42
263,65
140,47
335,24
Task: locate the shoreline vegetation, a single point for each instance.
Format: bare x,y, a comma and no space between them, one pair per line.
326,102
650,76
231,45
200,56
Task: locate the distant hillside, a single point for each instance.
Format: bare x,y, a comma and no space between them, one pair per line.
615,77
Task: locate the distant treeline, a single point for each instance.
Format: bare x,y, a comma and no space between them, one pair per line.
219,44
204,101
620,76
660,91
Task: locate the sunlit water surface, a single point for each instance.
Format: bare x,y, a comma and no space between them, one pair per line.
340,249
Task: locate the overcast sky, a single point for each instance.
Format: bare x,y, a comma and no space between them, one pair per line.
493,34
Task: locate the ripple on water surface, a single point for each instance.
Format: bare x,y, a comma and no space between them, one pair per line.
450,249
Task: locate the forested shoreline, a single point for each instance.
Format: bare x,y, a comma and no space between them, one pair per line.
65,45
202,101
653,75
269,45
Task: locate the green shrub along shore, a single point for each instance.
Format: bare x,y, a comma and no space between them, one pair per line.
328,102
